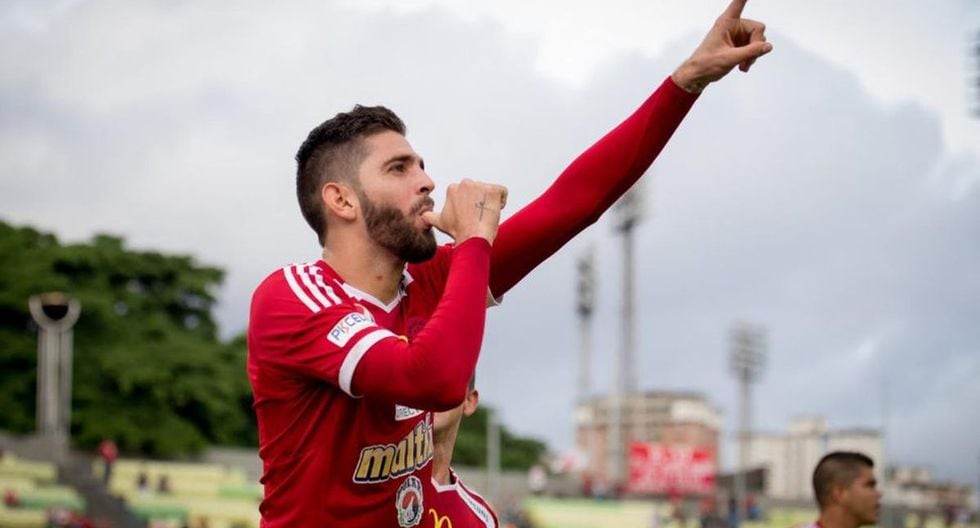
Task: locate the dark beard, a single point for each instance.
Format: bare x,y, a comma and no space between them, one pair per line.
392,230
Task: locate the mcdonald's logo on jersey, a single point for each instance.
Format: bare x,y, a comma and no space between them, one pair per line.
440,521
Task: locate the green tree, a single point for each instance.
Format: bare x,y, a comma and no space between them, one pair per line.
149,369
471,445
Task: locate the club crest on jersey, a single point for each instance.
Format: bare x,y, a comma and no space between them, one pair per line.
408,502
349,325
404,413
381,462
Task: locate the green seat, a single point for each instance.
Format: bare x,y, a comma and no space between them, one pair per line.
242,491
51,497
154,508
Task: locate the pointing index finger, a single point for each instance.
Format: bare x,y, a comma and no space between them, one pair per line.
734,9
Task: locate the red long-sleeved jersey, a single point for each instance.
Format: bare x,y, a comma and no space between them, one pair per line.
454,505
336,456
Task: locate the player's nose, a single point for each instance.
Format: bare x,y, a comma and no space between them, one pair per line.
426,185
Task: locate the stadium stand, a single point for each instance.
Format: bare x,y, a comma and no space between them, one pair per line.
30,492
196,492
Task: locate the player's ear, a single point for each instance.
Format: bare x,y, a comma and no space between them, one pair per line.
339,200
471,402
837,493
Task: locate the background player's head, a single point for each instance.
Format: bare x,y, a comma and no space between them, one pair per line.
446,423
844,485
359,166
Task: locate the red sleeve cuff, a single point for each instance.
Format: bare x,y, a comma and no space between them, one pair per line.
479,244
678,92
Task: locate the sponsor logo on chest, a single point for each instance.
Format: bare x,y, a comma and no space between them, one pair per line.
404,413
381,462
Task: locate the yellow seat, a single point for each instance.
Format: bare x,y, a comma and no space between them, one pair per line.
18,518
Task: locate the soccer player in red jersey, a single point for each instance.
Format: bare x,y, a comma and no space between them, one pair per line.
349,355
451,504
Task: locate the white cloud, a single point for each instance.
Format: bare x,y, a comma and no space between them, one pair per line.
899,50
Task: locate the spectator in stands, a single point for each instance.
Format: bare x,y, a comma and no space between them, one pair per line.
752,510
67,518
678,510
600,487
949,515
108,453
709,517
163,485
537,479
845,488
10,498
143,482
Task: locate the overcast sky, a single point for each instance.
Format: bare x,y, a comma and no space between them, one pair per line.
831,195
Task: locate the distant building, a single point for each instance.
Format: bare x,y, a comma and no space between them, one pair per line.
675,419
915,487
789,458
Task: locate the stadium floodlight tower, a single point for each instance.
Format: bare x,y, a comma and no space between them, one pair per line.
628,215
748,356
585,305
55,314
976,79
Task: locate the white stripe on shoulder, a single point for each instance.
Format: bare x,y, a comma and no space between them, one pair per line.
307,277
289,272
318,275
476,505
354,355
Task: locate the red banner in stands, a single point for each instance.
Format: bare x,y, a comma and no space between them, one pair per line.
658,468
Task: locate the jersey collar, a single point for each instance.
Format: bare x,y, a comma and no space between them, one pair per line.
367,297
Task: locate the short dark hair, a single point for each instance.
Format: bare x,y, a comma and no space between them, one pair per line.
332,152
838,468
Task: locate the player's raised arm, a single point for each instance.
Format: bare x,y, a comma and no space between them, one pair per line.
732,41
599,176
